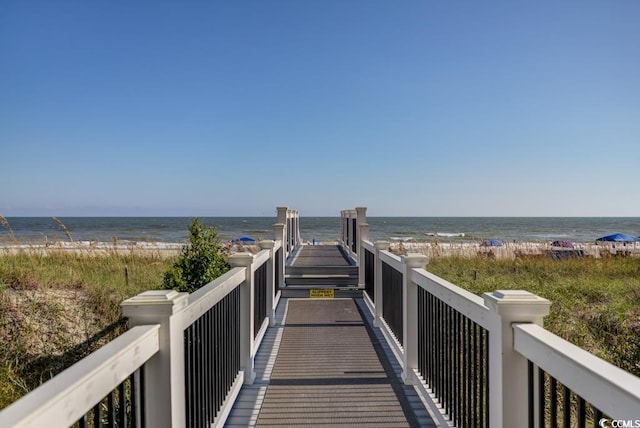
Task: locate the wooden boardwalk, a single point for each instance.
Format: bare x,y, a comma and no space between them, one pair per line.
320,266
327,367
319,256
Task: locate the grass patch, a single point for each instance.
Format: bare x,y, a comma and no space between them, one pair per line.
59,307
595,302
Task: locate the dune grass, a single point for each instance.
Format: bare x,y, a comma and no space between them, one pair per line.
57,308
595,302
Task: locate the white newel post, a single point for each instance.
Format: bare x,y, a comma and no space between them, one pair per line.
364,236
377,283
282,219
271,313
164,375
508,394
282,214
278,235
410,316
361,217
246,316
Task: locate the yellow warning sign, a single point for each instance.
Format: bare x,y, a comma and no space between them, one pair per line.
325,293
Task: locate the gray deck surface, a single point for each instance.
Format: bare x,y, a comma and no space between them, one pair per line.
332,369
319,255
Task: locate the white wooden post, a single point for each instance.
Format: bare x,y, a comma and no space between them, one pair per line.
297,237
282,214
271,313
282,219
410,316
361,217
344,230
278,235
364,236
164,375
377,283
508,394
246,316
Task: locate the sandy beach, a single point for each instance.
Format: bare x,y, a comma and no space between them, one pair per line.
508,250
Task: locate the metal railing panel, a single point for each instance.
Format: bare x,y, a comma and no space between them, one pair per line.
453,359
468,304
212,359
201,300
609,388
392,260
392,302
72,394
369,273
259,298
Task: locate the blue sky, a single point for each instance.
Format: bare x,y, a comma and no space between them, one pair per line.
417,108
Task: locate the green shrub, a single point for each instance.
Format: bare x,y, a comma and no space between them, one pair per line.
201,261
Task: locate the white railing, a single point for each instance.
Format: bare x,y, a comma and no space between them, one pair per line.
157,340
288,223
613,391
510,321
64,399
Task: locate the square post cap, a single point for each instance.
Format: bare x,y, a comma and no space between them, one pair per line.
267,244
520,304
381,245
241,259
160,302
415,260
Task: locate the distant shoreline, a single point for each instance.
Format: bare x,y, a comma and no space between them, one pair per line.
431,249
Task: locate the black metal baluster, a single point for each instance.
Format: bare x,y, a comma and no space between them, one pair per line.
530,395
122,405
83,422
485,381
582,413
566,407
111,410
541,395
474,373
553,400
97,415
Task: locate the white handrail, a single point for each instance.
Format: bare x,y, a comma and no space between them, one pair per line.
368,245
609,388
67,397
468,304
260,258
204,298
392,260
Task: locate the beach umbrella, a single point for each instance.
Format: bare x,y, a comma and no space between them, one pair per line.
244,239
563,244
619,237
491,243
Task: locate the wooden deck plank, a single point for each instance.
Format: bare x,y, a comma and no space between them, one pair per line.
320,255
327,367
328,372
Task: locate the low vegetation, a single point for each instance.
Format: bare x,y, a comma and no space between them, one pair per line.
202,261
595,302
59,307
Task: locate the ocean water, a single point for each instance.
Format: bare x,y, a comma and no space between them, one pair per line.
421,229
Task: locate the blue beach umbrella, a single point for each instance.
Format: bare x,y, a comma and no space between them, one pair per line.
243,239
491,243
619,237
